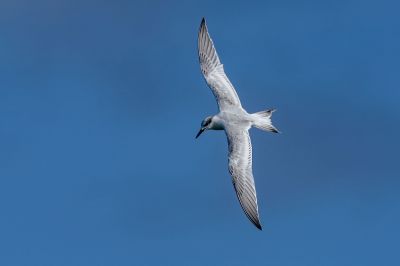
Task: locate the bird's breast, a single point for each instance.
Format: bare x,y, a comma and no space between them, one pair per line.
233,119
218,123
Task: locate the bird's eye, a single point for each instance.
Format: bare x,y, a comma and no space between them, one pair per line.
206,122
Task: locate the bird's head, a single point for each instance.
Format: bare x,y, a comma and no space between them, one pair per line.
205,125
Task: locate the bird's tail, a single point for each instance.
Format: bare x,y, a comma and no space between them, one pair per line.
262,120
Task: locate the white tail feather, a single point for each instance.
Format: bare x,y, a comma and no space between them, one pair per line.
262,120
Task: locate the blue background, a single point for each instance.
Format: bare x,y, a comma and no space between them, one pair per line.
100,102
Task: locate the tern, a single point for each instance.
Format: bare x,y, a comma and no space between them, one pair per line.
236,122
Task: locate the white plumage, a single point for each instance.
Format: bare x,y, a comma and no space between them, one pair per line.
235,121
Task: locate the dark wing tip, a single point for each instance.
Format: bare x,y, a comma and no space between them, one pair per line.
254,219
258,226
203,25
256,222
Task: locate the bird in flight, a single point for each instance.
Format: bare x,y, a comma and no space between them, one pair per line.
236,122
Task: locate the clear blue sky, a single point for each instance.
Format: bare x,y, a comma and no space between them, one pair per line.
100,102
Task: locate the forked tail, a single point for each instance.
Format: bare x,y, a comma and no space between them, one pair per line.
262,120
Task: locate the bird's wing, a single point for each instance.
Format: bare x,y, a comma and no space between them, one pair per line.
213,71
240,168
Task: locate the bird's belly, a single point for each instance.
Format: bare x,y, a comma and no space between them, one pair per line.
234,119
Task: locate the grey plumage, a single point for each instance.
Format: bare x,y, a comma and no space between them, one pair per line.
213,71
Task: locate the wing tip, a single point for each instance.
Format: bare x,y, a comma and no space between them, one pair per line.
259,227
203,24
255,221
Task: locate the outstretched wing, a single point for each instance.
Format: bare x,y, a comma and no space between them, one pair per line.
240,168
213,71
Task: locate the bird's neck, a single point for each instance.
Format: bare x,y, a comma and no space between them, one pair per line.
217,123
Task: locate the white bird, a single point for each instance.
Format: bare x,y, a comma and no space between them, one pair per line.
235,121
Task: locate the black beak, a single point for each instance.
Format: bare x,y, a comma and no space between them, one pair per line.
200,131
